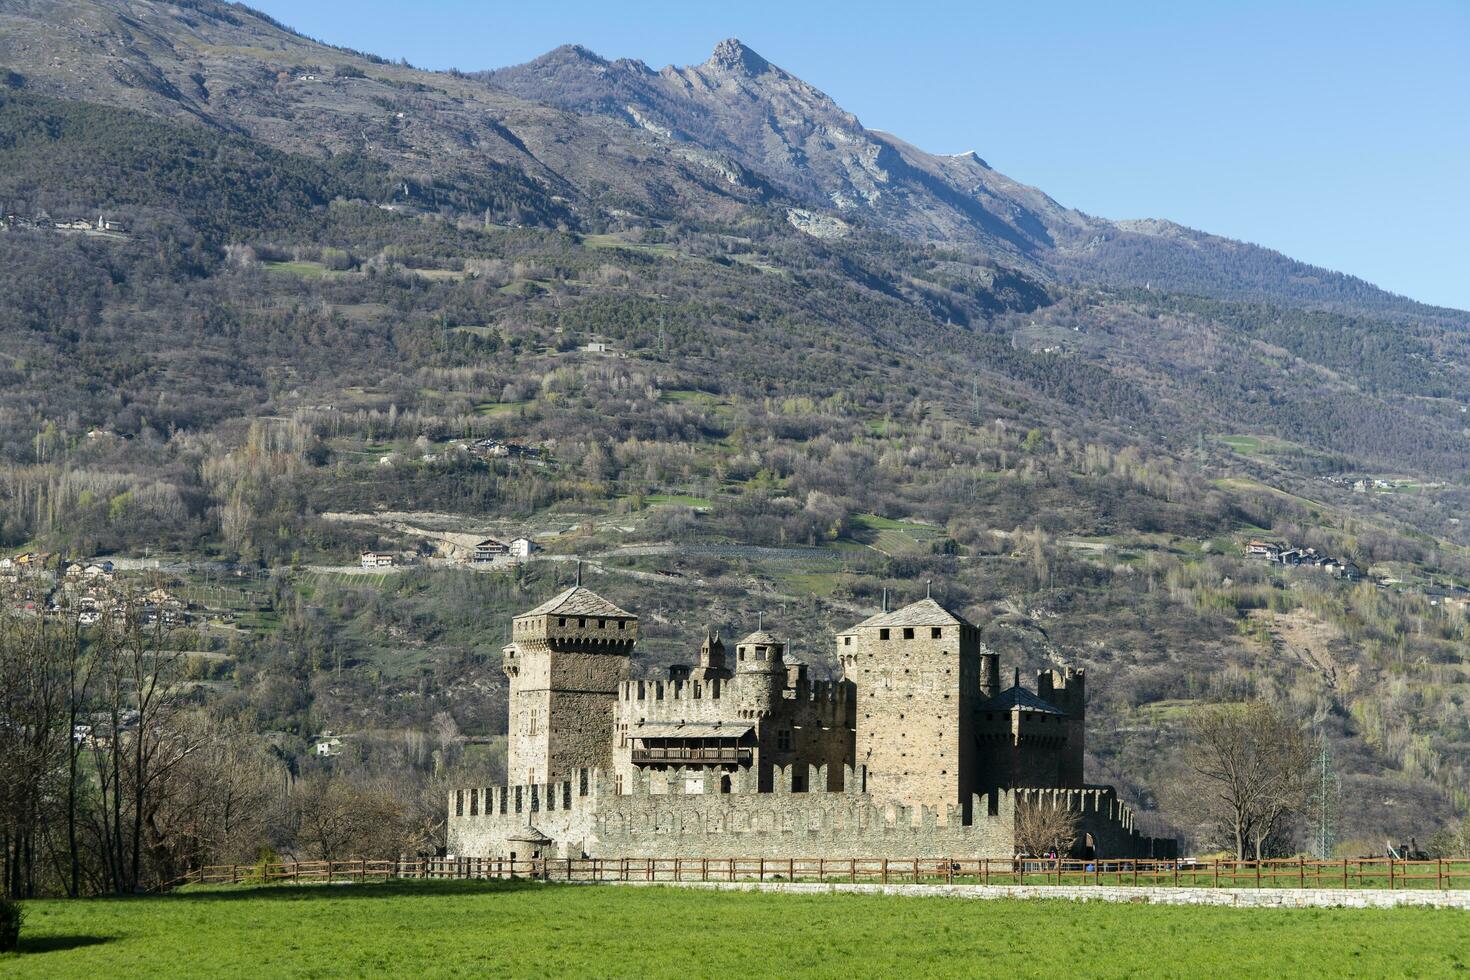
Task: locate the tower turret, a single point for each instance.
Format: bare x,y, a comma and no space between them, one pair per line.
712,656
917,673
565,661
760,670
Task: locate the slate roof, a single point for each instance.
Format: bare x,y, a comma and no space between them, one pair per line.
925,612
761,638
530,836
1019,697
578,601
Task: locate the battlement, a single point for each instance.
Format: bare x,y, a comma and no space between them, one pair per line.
699,812
1100,800
822,692
829,703
528,798
674,690
1066,688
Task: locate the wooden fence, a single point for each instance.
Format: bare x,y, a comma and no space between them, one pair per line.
1444,874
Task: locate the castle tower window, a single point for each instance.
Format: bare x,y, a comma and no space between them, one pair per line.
908,632
561,620
847,641
581,623
783,740
602,624
883,634
935,632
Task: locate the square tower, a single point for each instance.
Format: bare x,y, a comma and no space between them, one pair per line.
917,673
565,661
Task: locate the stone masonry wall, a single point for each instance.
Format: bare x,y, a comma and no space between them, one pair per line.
693,819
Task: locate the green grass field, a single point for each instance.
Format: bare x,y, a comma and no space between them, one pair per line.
527,929
894,537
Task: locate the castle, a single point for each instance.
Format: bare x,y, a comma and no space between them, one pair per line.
916,752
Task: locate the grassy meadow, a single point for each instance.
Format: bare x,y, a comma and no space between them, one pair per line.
453,928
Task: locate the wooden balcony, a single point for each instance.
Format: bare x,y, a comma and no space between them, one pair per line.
695,756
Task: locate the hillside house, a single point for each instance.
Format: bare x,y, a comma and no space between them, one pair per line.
162,597
522,548
98,571
327,746
495,449
489,550
1264,549
377,559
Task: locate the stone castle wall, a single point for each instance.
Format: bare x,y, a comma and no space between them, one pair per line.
817,717
687,816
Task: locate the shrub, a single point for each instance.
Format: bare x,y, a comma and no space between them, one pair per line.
11,917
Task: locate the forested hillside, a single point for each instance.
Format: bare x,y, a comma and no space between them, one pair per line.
309,304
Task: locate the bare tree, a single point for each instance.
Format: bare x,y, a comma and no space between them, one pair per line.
339,818
214,805
138,741
1247,772
1044,826
32,709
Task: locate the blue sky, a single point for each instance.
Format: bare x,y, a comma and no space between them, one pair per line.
1338,133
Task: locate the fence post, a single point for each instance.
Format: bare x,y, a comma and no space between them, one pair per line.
1390,874
949,871
1301,872
885,871
1439,873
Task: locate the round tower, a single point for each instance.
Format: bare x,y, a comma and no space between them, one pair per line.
760,670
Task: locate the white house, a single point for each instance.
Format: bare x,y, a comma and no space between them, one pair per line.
377,559
328,745
522,547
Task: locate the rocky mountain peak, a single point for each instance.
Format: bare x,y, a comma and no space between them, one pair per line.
571,54
731,55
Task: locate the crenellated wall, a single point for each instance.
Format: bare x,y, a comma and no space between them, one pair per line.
810,723
683,813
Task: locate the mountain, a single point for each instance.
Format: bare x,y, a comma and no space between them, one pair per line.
777,125
732,132
701,329
232,68
772,123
